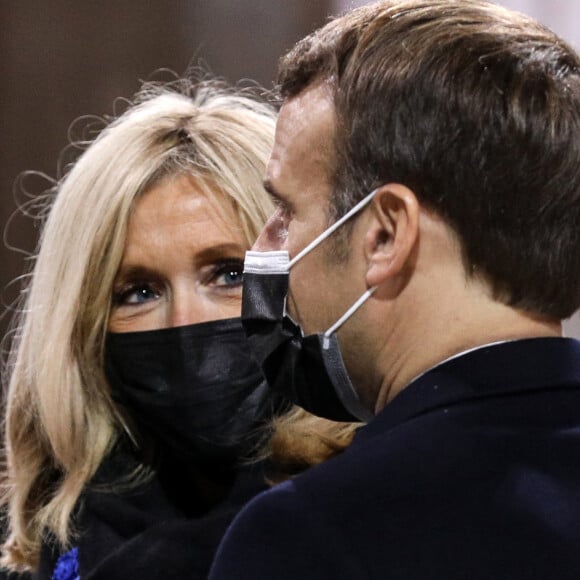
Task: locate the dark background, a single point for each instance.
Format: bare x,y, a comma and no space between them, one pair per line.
62,59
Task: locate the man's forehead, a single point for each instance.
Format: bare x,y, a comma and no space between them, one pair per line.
304,132
309,114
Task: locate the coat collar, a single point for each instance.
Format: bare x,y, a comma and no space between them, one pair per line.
498,369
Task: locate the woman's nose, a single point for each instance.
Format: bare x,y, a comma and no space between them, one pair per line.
187,308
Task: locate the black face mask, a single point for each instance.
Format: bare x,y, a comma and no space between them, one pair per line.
308,370
196,390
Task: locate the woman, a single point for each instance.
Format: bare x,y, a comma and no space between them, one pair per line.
132,401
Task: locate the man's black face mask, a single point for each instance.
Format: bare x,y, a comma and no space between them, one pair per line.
308,370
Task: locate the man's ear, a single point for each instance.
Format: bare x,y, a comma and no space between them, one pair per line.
392,233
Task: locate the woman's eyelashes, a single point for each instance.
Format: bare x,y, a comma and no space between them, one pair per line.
221,275
227,273
135,294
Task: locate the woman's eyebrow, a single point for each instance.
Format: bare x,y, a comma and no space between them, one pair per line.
131,271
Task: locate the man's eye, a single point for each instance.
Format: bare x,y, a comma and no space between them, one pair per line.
284,208
135,294
228,274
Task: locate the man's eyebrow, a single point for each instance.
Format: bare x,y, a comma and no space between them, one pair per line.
272,191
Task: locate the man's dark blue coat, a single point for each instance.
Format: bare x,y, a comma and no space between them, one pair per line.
471,472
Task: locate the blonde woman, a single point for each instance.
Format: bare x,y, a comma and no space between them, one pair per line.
132,401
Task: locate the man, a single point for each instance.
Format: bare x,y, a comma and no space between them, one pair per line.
462,121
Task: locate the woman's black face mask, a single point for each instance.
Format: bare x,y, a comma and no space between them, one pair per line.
196,390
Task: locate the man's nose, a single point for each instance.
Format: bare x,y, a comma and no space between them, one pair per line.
273,235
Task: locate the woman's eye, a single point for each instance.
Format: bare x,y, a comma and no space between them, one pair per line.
229,274
136,294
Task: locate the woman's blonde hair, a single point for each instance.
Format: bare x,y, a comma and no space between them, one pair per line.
60,420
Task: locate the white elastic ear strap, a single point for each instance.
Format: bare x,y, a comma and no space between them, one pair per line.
346,316
332,228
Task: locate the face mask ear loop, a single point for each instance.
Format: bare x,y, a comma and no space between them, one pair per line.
326,233
346,316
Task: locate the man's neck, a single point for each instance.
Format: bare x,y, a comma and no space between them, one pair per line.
451,332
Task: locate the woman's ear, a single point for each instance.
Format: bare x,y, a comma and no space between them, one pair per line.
392,233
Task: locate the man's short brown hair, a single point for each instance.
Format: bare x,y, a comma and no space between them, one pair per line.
477,109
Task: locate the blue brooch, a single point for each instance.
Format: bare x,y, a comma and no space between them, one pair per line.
67,566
